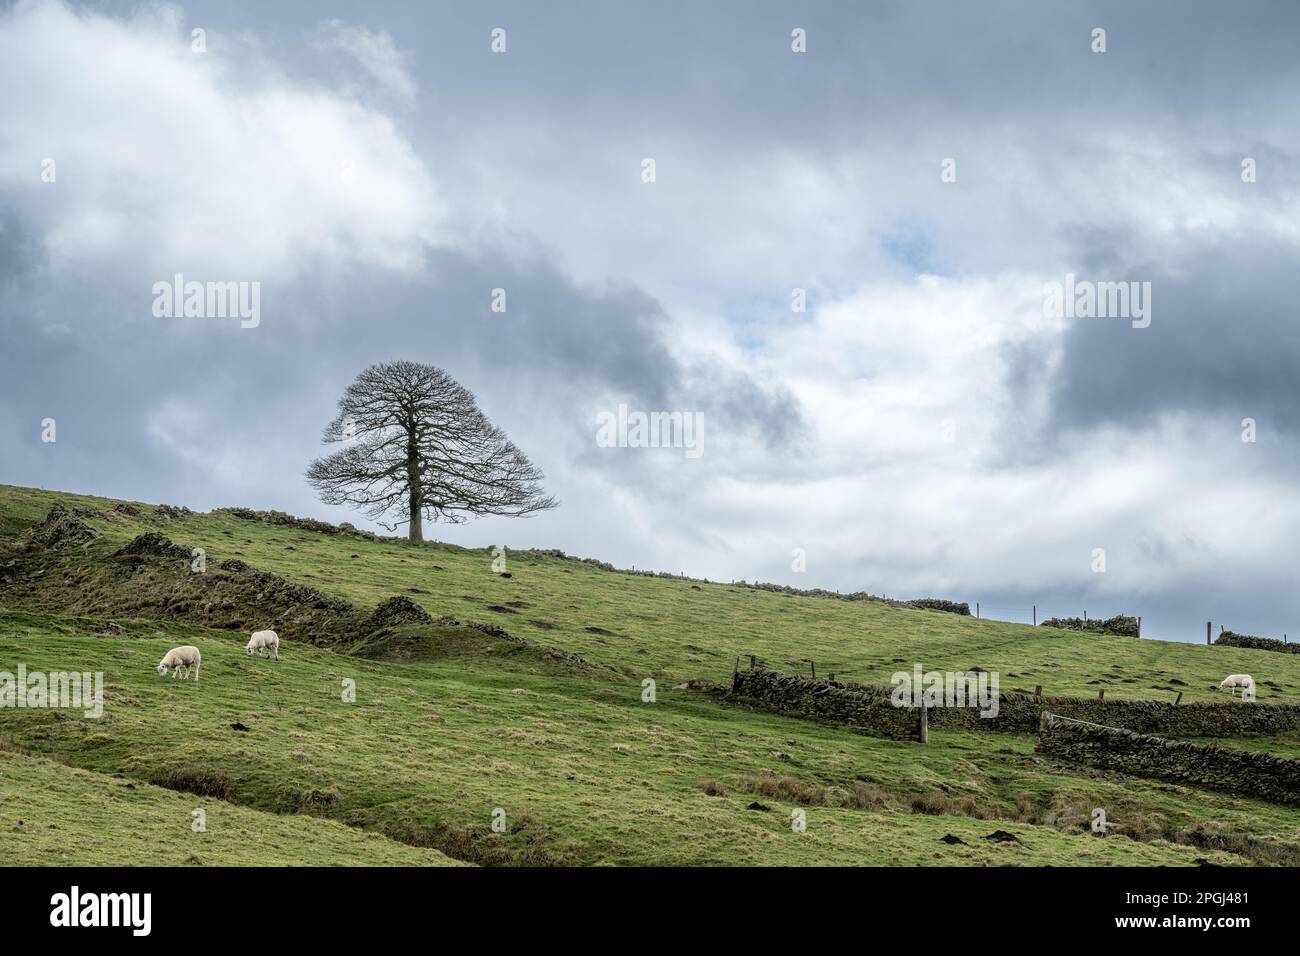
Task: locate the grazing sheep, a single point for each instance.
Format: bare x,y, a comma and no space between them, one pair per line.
264,640
1244,681
187,657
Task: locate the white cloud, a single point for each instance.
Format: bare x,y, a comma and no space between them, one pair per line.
170,160
374,51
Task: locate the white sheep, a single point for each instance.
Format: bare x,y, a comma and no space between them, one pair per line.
187,657
264,640
1244,681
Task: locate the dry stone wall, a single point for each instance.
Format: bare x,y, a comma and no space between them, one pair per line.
1242,772
1229,639
868,709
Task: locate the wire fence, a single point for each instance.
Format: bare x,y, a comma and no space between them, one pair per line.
1033,614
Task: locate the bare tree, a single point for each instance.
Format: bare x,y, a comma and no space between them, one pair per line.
416,446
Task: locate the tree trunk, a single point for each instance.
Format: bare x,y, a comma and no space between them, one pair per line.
417,531
416,534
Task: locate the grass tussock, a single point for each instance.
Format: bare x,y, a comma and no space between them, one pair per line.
525,843
200,781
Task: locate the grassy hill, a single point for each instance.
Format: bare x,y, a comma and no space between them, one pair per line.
523,694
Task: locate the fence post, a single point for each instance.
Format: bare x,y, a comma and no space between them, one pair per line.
1179,699
977,608
1139,627
1207,632
736,669
751,661
924,728
814,669
1038,691
1035,615
1101,694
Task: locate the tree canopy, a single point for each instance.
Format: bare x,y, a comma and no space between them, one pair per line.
416,446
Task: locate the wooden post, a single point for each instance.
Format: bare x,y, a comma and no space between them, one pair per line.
1207,632
977,608
832,678
1139,627
1085,617
1038,691
736,669
1101,694
1035,615
1179,699
751,662
814,669
925,723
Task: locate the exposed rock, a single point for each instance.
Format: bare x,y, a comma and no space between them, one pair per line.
398,609
281,519
155,544
61,529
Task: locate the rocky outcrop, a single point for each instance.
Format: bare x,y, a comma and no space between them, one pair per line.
61,529
154,544
397,610
284,520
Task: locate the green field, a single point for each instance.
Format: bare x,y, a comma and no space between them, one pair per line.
580,767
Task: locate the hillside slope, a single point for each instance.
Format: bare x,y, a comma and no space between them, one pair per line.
554,731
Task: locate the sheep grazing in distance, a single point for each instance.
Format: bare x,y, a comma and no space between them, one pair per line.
1244,681
268,641
187,657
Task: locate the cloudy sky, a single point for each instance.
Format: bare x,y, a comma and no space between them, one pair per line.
924,427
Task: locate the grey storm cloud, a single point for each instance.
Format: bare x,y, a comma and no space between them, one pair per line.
1224,341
